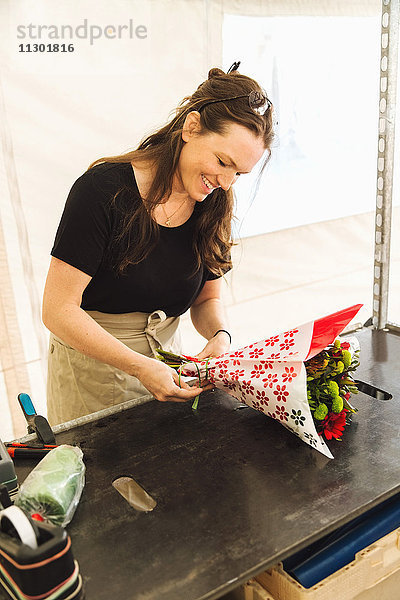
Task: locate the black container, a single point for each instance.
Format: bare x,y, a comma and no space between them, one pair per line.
7,471
43,570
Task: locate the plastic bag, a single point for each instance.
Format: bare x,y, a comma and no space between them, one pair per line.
54,487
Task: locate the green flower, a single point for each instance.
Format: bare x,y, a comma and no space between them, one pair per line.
337,344
339,367
346,357
321,412
337,404
333,389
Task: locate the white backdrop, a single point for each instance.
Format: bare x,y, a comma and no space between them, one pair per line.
61,110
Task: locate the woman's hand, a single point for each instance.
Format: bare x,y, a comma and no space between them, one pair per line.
215,347
163,382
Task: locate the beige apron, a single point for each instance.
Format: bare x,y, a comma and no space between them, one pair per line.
78,385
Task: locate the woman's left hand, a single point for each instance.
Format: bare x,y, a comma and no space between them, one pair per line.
215,347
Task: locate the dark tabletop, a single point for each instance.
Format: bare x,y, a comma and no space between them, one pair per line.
235,491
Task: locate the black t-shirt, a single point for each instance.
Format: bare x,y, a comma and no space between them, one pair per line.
164,280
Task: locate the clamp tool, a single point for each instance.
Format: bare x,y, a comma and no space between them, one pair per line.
36,423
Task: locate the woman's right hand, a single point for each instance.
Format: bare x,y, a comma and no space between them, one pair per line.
163,382
64,317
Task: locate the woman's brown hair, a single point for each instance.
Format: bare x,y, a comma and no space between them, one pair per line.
212,239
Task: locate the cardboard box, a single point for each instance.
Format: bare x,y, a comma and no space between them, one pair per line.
251,590
373,574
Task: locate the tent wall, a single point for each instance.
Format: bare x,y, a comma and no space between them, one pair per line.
61,111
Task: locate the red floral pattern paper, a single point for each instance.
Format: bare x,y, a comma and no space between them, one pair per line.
270,375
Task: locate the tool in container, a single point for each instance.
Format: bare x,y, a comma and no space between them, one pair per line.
8,476
26,451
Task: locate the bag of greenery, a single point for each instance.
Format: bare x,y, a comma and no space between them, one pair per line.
54,487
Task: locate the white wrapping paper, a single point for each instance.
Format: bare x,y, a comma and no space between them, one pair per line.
270,375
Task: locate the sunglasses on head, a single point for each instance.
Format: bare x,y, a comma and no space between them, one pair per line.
258,101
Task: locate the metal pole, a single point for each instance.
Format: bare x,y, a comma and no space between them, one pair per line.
386,137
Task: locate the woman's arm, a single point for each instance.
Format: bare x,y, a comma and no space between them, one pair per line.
207,316
63,316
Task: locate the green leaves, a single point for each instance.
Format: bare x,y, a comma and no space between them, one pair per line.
173,360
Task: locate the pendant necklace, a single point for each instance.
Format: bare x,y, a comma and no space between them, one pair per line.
168,218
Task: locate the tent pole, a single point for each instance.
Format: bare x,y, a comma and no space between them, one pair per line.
386,139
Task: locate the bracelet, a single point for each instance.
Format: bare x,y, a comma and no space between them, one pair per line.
224,331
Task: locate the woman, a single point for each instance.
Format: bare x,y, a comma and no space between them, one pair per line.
144,237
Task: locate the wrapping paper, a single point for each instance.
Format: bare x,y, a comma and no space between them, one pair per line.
270,375
54,487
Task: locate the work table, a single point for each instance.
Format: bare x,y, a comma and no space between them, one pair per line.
235,491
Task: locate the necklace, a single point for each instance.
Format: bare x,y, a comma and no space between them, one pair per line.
168,218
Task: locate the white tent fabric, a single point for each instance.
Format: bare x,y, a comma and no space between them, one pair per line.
133,61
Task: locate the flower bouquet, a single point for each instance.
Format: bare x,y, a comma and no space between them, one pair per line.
290,377
330,385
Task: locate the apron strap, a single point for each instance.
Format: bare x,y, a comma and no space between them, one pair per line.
157,328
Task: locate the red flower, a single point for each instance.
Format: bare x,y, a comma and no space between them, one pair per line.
230,385
235,375
290,333
257,371
287,342
235,357
270,379
272,341
256,353
289,375
268,364
223,375
345,345
247,388
333,425
257,406
281,393
281,413
222,364
262,397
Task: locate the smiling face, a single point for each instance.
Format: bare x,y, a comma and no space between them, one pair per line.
212,160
